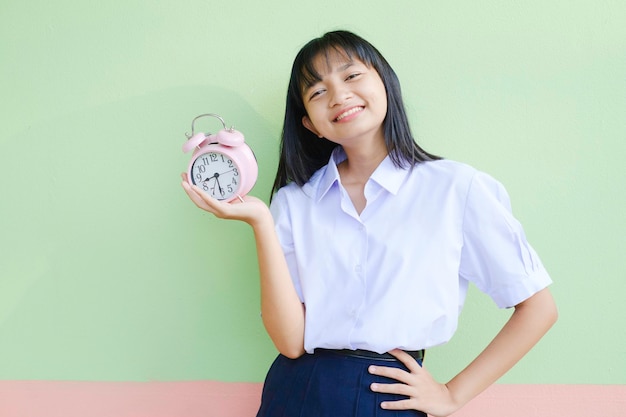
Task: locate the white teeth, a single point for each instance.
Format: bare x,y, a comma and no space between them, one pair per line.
349,112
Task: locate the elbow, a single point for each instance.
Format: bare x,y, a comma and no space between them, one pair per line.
288,345
542,308
550,311
553,314
288,339
292,347
291,352
547,308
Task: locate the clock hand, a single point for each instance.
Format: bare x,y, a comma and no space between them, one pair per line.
217,181
214,176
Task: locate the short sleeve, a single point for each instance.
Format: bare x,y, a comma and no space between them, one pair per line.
496,255
282,221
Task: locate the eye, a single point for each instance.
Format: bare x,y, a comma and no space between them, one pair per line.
353,76
316,93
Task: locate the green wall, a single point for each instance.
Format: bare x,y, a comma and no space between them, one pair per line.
107,270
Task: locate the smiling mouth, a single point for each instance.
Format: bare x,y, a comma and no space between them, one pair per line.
349,113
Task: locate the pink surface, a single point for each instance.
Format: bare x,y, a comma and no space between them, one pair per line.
128,399
219,399
548,401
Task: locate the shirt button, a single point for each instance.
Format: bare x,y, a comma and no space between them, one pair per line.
358,269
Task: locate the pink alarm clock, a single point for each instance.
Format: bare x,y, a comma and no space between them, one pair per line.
222,164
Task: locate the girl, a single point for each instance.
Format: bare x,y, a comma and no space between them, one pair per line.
367,251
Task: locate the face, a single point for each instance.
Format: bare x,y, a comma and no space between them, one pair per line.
349,104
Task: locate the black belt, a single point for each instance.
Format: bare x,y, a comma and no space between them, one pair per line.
368,354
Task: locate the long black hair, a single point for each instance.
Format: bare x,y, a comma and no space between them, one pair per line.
301,151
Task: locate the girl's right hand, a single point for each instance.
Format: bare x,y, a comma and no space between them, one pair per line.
251,210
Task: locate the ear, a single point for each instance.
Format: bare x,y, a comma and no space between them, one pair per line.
309,125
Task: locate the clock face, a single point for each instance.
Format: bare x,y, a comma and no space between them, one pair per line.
216,174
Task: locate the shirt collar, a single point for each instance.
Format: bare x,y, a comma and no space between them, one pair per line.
387,175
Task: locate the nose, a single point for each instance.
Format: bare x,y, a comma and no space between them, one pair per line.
339,95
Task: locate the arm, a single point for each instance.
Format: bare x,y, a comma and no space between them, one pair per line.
283,313
531,319
281,309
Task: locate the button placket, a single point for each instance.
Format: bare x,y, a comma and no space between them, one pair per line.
359,268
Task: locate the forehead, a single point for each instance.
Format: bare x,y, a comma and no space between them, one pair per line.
324,62
328,60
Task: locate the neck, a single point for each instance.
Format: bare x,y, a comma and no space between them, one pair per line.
356,170
361,162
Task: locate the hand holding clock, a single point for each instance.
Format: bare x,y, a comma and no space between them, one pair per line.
222,164
252,212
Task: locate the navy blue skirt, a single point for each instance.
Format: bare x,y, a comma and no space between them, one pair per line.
327,384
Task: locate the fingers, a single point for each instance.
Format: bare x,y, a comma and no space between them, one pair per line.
396,373
235,209
398,405
193,191
408,360
198,197
407,381
253,212
403,388
392,373
400,389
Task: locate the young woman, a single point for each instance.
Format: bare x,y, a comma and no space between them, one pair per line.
368,249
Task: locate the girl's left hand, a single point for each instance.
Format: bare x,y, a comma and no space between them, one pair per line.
423,392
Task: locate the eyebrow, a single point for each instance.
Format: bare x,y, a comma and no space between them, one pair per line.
341,67
346,66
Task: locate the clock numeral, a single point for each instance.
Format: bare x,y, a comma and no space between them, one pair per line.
220,191
207,159
216,175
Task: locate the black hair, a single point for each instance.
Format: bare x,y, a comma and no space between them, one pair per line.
301,151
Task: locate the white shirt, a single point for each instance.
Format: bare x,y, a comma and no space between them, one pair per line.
396,276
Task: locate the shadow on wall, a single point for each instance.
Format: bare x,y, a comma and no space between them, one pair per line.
105,258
